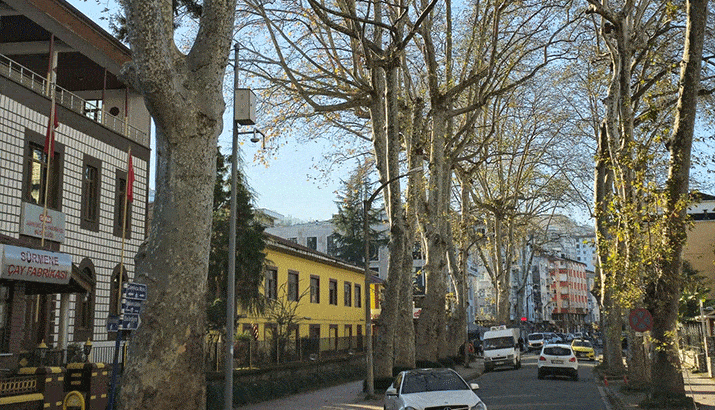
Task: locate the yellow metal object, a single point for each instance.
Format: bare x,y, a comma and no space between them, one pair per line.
22,398
73,401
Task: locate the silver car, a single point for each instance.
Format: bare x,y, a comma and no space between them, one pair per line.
420,389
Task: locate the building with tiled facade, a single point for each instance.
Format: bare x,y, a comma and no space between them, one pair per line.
73,280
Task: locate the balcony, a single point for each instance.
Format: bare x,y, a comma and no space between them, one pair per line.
37,83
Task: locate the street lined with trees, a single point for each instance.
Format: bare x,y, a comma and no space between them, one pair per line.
503,105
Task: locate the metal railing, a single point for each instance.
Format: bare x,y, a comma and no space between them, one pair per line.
258,353
37,83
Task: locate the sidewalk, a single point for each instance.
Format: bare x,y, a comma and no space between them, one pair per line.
697,385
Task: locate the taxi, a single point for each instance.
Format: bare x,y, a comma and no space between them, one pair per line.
583,349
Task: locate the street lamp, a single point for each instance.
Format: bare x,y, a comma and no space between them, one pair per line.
244,114
367,204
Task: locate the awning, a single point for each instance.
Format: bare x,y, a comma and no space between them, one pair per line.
79,283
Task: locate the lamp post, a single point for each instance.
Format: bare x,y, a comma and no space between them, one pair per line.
367,204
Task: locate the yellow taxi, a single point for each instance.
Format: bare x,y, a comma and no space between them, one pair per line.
582,348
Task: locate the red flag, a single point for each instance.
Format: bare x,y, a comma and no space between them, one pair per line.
50,136
130,179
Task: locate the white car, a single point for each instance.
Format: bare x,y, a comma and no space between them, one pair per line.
557,360
422,389
535,341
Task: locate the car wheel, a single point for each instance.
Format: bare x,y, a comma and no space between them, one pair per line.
575,376
518,365
540,375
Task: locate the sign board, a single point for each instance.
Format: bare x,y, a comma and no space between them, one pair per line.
640,320
134,291
129,321
416,312
113,324
131,306
35,265
31,221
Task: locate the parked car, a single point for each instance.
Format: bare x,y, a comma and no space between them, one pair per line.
535,341
557,360
583,348
421,389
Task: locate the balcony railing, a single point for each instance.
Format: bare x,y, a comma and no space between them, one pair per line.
35,82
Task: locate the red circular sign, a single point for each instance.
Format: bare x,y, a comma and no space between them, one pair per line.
640,320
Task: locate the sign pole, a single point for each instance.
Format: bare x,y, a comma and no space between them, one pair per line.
115,370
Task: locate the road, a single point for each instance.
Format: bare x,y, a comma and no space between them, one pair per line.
499,389
520,389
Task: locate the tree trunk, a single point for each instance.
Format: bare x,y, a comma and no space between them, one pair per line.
667,376
184,94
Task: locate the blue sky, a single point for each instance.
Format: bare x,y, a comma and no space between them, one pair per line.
288,185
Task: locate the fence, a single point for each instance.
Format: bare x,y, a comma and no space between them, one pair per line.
67,99
258,353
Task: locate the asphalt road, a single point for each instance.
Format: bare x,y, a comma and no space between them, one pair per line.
521,389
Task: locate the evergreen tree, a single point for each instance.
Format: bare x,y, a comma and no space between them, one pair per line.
249,247
349,238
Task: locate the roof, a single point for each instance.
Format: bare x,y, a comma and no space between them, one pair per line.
285,245
85,48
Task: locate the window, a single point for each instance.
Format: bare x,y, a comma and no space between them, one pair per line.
314,331
35,175
5,318
358,296
293,286
90,194
115,293
120,192
314,289
93,109
83,317
333,292
331,245
271,285
348,294
312,243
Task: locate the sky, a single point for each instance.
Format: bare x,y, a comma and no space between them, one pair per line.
288,185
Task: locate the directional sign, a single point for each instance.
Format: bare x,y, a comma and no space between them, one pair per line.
131,306
113,324
129,321
135,291
640,320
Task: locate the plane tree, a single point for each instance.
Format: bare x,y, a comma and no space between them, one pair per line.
184,94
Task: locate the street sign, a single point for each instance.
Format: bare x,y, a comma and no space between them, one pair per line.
135,291
112,324
129,321
640,320
131,306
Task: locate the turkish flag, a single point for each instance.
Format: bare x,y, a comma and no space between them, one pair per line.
50,136
130,179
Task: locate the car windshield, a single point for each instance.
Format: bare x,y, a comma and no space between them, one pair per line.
582,343
432,381
498,343
557,351
535,336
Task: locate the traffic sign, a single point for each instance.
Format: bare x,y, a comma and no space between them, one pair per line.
129,321
131,306
112,324
640,320
135,291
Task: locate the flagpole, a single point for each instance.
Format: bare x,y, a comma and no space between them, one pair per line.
124,228
51,79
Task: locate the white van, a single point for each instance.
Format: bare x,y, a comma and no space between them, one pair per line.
501,348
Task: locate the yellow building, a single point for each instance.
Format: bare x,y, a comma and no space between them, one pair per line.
313,296
700,246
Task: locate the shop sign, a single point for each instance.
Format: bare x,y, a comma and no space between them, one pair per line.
35,265
31,221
